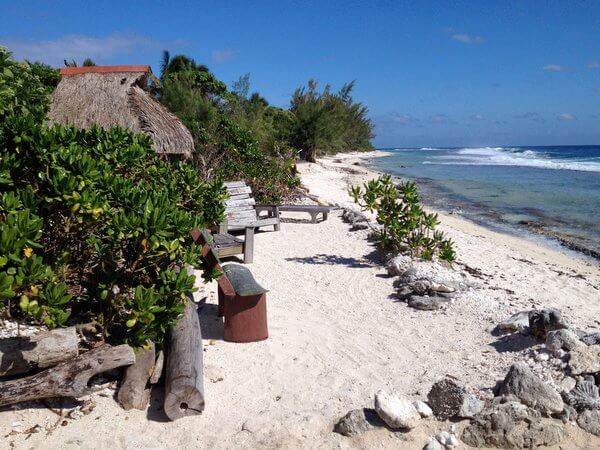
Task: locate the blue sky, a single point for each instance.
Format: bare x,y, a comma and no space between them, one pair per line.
432,73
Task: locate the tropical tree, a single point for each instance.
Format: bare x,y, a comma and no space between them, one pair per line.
325,122
179,63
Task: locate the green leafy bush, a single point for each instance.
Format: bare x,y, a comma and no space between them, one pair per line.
405,226
93,224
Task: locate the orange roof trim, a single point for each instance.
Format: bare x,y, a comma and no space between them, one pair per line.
104,69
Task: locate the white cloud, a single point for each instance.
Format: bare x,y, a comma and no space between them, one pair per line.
441,118
534,116
402,118
79,47
467,38
554,68
476,117
567,117
223,55
463,37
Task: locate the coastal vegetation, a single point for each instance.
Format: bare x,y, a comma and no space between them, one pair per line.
94,225
405,226
240,135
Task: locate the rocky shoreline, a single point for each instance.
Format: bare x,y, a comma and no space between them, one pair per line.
339,333
555,381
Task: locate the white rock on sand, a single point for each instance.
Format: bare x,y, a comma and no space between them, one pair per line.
337,335
396,412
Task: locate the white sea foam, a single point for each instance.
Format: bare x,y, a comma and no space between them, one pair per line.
506,156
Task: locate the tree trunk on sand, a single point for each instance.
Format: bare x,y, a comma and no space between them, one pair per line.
184,384
312,154
20,355
135,390
68,379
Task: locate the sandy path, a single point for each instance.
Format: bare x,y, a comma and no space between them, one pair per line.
337,335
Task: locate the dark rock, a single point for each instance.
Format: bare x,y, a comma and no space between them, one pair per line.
358,421
448,399
591,339
353,216
359,226
512,425
404,292
584,396
531,390
590,421
568,414
426,303
562,340
543,320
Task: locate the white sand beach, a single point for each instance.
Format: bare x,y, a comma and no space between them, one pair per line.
337,335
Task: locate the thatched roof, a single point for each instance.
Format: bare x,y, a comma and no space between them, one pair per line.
117,95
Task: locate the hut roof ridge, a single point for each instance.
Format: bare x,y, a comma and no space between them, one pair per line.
66,71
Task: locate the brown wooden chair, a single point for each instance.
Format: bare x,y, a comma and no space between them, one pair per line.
242,301
226,244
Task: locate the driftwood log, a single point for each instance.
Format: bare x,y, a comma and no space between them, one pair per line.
20,355
135,390
184,383
158,367
68,379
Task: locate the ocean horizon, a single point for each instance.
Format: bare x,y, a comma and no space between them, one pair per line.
553,191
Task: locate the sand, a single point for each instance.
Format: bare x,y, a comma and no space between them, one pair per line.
338,334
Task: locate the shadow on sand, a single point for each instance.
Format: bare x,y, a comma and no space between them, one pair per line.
372,259
514,343
210,323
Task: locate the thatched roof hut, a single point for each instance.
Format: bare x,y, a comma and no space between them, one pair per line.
117,95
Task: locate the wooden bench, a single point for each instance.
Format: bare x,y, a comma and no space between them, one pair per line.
242,301
226,244
313,210
240,210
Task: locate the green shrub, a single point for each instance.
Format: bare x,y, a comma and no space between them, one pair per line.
405,226
235,138
271,178
326,122
93,224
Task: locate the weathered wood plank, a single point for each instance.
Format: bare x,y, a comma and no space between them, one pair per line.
224,239
224,252
184,383
233,184
135,391
23,354
246,210
305,208
237,218
240,202
69,378
158,367
239,190
249,246
239,196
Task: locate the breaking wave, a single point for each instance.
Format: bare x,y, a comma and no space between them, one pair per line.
509,156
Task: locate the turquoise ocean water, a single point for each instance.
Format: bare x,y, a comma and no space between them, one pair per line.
551,191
